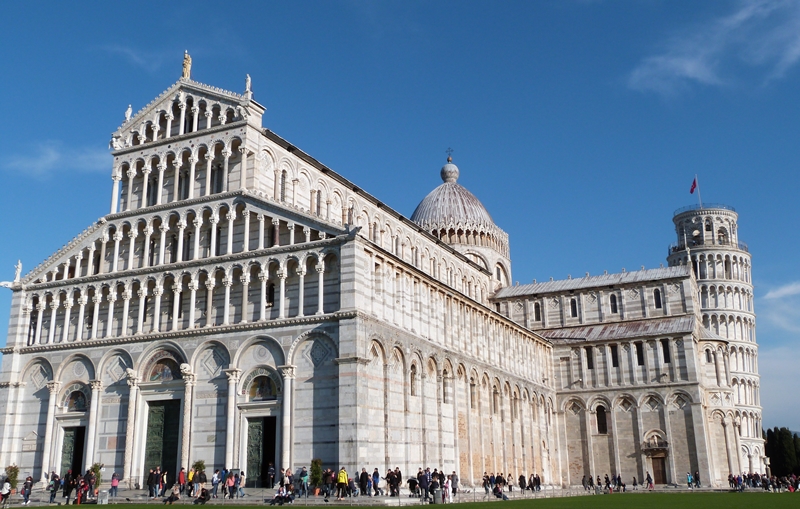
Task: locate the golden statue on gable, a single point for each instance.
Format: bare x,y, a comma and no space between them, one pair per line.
187,66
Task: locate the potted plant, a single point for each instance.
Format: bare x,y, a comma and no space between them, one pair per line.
315,476
12,474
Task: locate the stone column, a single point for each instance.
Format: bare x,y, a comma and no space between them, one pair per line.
170,117
90,260
96,299
67,312
116,177
146,171
212,252
181,228
290,226
140,321
162,243
246,236
262,311
182,107
198,222
261,220
176,184
157,291
282,302
39,309
148,231
54,303
321,285
82,300
176,303
276,234
130,426
195,111
47,465
161,167
233,379
112,297
192,170
91,432
301,274
226,154
126,306
189,382
192,302
231,218
276,187
131,173
132,234
115,263
226,309
245,279
103,241
209,301
208,114
288,373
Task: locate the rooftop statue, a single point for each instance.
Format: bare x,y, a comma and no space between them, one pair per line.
187,65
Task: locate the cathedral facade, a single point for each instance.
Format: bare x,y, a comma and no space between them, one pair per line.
245,305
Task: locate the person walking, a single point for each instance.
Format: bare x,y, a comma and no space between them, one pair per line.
341,484
689,480
53,485
649,481
26,490
240,486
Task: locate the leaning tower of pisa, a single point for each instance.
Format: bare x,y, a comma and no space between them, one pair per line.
708,238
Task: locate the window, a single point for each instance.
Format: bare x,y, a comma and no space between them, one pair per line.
413,379
573,308
602,421
639,353
613,301
709,360
537,312
498,273
657,298
665,350
270,295
283,186
146,302
495,401
614,356
589,358
473,394
447,383
173,249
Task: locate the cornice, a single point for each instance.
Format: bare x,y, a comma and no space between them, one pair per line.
187,333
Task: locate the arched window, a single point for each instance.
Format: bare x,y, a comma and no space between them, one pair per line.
613,301
263,388
657,298
573,308
537,312
495,400
270,295
473,393
602,421
708,357
413,379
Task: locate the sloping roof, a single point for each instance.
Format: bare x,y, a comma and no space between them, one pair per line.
603,280
684,324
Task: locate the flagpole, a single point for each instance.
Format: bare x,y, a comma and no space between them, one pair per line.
698,191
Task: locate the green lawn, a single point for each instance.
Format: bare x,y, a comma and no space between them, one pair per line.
751,500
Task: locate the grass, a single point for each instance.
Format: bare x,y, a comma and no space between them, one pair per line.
714,500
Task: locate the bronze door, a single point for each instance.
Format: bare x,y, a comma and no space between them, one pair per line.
163,434
659,470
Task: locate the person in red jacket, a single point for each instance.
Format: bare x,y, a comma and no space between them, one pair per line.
182,480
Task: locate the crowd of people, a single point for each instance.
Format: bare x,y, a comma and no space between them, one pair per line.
497,484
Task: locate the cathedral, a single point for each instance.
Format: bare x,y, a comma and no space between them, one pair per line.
245,305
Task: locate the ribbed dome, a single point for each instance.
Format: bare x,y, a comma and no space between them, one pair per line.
451,206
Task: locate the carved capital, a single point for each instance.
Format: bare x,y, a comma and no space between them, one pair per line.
132,234
232,374
131,173
288,372
245,279
53,387
164,228
162,166
96,299
226,152
193,285
301,271
96,385
198,222
117,236
210,285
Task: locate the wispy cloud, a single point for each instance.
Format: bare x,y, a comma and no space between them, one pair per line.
50,157
784,291
759,35
150,61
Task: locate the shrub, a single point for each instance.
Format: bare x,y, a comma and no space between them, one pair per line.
97,469
315,477
12,473
199,466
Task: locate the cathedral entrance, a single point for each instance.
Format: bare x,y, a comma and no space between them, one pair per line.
163,435
260,449
72,450
660,470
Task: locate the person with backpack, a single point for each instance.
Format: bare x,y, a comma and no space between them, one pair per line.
52,486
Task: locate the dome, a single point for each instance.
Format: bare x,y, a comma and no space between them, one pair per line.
451,206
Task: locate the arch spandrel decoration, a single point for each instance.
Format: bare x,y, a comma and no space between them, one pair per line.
254,385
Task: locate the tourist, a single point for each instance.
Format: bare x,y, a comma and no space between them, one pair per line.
182,480
270,476
240,484
52,486
203,497
5,492
304,482
341,484
363,481
454,479
635,485
649,481
697,479
69,485
229,483
175,495
163,483
114,485
689,480
26,490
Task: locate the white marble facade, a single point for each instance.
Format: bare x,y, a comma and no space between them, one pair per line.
242,303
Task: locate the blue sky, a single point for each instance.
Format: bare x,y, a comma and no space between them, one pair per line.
579,124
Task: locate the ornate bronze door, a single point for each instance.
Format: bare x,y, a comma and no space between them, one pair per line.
163,432
72,450
260,449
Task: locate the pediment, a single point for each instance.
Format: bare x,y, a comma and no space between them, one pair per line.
185,99
31,437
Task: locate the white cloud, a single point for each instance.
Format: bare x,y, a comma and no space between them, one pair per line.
760,35
150,61
784,291
51,157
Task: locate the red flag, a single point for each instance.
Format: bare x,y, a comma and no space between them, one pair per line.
694,186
